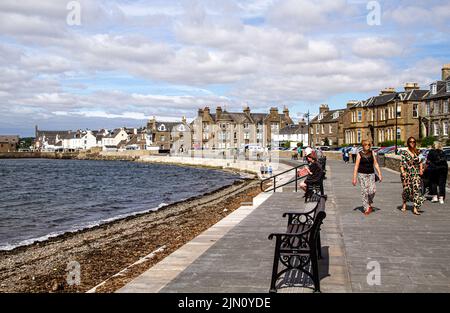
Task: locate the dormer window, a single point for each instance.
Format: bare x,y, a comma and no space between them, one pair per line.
162,128
433,88
335,115
448,87
320,117
181,128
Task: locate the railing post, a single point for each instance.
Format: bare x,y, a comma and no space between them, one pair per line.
274,184
296,180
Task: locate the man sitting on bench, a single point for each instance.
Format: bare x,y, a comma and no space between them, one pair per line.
315,171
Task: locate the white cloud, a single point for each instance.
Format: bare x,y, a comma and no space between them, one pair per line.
376,47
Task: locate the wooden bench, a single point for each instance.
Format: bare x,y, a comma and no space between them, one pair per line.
300,247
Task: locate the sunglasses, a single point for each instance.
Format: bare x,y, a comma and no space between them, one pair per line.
412,141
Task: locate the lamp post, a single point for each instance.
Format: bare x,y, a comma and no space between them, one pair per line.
396,124
309,130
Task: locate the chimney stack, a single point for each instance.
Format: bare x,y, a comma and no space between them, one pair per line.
200,112
387,91
218,112
273,110
286,112
324,108
247,110
446,72
411,86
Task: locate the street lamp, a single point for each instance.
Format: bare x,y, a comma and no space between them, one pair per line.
396,123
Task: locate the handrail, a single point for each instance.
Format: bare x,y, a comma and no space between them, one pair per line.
274,188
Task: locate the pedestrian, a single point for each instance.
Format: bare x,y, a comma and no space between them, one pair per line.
354,153
438,169
270,170
365,165
261,169
314,170
346,156
299,152
411,169
266,169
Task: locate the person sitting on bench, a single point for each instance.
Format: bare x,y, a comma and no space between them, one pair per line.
315,171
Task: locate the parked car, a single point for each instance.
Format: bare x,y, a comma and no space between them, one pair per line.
324,148
447,154
387,150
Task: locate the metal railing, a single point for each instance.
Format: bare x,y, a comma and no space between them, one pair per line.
274,178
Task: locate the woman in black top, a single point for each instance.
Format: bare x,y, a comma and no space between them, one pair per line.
315,171
438,169
365,166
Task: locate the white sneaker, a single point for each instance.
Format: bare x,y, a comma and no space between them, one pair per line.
435,199
441,200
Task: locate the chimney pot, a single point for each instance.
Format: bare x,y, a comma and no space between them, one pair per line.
446,72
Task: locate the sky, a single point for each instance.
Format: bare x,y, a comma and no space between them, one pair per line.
126,61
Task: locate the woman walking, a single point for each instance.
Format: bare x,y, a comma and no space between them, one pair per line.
438,169
365,166
411,169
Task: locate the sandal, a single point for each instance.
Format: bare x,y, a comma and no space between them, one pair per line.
416,213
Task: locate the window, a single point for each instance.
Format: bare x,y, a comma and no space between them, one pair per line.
399,134
399,111
163,138
448,87
415,110
445,128
245,125
246,136
433,88
274,126
162,128
359,136
320,117
322,128
359,116
436,129
436,107
317,129
428,109
335,115
330,129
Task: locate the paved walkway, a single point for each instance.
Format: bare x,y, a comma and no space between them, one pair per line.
413,251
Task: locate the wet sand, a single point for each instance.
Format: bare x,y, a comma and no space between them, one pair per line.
105,250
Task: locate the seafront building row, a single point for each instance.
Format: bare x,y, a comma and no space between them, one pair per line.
218,130
383,118
388,116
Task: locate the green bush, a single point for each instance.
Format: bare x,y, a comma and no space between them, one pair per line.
427,141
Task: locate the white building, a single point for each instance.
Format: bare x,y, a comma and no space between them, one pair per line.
295,133
111,141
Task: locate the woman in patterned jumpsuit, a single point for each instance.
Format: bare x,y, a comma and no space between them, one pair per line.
411,169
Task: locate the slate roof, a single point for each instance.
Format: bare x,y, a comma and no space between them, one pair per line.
294,129
441,91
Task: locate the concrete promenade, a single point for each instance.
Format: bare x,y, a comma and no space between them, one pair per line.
412,251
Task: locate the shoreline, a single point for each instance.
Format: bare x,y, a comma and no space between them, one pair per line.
106,224
104,244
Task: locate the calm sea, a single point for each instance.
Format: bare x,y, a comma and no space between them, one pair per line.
42,198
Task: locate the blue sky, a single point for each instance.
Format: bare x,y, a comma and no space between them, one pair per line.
130,60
